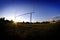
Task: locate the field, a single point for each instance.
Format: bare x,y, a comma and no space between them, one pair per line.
23,31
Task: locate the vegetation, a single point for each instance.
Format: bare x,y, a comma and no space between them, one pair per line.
28,31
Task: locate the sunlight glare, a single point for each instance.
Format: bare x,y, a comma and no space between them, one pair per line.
15,21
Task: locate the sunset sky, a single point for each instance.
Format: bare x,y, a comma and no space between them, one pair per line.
44,9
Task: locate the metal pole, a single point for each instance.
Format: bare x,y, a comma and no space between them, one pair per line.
26,14
30,17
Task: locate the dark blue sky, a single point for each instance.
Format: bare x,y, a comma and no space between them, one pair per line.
44,9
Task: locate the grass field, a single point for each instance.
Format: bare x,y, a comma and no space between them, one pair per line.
19,31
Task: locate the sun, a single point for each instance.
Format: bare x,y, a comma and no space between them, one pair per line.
15,21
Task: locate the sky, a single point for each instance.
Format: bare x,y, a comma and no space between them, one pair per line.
44,9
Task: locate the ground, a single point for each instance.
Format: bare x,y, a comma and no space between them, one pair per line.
23,31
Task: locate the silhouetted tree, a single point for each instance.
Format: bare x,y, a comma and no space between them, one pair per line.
37,22
27,22
53,21
23,22
2,19
45,22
